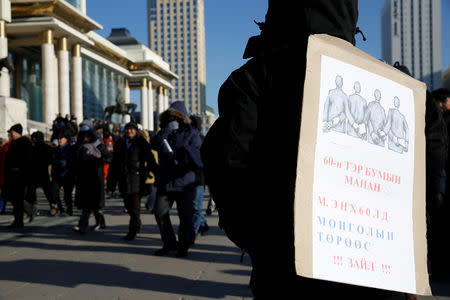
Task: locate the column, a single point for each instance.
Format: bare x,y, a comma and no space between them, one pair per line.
95,83
105,79
112,95
77,83
49,97
166,99
64,81
55,85
150,125
126,97
83,6
160,107
144,103
4,79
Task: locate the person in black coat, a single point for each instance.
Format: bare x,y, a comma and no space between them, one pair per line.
438,180
18,164
132,162
89,178
42,158
258,102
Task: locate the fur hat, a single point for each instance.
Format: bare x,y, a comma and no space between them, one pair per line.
178,110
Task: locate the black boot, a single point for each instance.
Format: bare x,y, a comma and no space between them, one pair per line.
83,223
203,229
69,209
99,222
166,249
131,235
182,251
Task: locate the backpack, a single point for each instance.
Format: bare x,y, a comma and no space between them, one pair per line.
226,153
217,178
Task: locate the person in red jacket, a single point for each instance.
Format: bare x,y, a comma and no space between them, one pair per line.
3,149
109,144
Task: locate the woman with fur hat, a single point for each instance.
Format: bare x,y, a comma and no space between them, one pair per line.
178,146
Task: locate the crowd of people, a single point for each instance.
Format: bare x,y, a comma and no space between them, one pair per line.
93,158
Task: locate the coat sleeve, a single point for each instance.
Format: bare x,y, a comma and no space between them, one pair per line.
149,158
192,148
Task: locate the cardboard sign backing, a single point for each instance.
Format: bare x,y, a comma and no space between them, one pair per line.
360,188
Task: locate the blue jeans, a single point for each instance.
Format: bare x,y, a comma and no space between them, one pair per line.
2,201
198,218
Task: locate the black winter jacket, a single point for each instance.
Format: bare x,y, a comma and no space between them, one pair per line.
42,158
131,165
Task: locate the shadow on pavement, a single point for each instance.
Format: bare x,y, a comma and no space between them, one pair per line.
245,273
122,248
71,274
110,240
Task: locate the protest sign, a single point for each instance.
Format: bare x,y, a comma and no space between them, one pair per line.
360,189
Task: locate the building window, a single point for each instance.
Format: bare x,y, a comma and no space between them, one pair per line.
100,87
75,3
31,85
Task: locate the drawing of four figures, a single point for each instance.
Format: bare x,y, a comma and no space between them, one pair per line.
352,115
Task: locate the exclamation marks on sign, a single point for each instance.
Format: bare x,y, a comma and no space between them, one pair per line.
386,269
338,260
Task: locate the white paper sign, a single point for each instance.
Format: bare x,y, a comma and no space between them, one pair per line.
363,180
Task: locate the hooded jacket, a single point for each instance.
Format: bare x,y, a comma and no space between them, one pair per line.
177,167
288,23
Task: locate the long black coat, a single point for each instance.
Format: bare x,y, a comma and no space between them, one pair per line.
131,165
89,178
